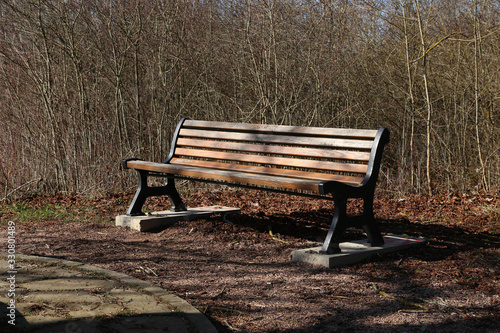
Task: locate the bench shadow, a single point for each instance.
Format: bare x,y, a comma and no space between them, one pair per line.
443,240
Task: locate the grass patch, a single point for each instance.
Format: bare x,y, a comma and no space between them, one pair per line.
21,212
58,210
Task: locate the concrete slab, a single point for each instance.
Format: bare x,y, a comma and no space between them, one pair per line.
76,283
355,251
162,219
58,296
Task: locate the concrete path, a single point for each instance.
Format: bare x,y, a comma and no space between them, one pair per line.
52,295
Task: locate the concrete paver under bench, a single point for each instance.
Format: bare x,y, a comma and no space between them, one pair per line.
355,251
162,219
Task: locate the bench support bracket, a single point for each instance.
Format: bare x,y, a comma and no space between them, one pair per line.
341,221
144,191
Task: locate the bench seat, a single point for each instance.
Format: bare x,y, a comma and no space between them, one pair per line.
248,176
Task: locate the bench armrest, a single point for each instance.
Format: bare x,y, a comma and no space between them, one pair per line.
125,161
341,190
367,186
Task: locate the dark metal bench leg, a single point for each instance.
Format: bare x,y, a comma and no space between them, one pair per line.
370,226
144,191
173,195
341,222
337,228
140,197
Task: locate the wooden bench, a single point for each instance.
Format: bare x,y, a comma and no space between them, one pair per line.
331,163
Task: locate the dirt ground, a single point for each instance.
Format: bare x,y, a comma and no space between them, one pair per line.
241,277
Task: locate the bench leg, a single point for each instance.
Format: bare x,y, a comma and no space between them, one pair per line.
341,222
144,191
337,228
369,225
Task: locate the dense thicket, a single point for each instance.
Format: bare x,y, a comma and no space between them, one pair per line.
84,84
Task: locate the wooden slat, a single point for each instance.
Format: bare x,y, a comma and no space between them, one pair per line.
273,160
228,176
265,170
279,139
271,149
315,131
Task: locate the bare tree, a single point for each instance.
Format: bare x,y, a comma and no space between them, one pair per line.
84,84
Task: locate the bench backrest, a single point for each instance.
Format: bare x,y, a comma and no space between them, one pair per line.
313,153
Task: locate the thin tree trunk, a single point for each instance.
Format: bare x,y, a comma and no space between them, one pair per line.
427,101
476,93
410,93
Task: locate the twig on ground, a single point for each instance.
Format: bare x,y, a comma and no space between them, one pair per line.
148,270
231,327
402,301
276,238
